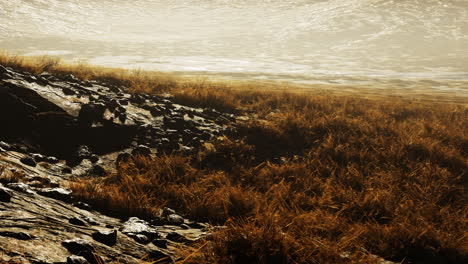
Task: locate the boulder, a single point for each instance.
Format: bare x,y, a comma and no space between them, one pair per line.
76,260
66,170
61,194
91,221
167,211
176,237
83,206
157,256
94,158
5,194
162,243
77,221
83,152
77,245
122,158
20,187
174,219
106,237
142,239
135,226
90,113
52,160
17,235
38,157
141,150
5,146
28,161
98,170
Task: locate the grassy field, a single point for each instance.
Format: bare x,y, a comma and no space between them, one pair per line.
311,177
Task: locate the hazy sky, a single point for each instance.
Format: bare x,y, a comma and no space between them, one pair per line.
294,40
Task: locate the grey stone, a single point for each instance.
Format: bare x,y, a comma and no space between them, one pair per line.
162,243
5,194
38,157
77,245
77,221
76,260
56,193
94,158
20,187
141,150
17,235
106,237
122,157
137,226
28,161
174,219
66,170
5,145
83,206
167,211
176,237
98,170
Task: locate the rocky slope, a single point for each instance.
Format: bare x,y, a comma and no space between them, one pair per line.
56,128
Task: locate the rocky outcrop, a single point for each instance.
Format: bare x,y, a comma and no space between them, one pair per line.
58,116
56,128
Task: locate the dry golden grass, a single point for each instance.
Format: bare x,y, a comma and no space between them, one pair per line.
142,81
385,178
310,179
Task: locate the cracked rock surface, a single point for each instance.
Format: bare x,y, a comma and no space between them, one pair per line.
55,128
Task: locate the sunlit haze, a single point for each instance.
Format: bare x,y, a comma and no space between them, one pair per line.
404,42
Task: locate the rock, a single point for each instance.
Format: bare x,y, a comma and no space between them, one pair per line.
3,70
68,91
122,158
94,158
41,119
113,104
17,235
70,78
123,101
141,150
83,152
77,221
98,170
5,145
38,157
176,237
76,260
91,221
83,206
197,225
20,187
137,99
90,113
5,195
52,160
135,226
66,170
56,193
106,237
142,239
167,211
78,245
162,243
157,256
28,161
185,226
174,219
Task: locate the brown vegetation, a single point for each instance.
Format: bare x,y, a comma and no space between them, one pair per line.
320,177
309,179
